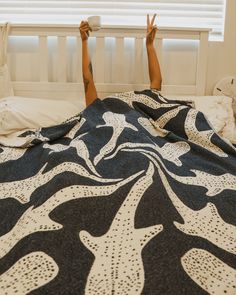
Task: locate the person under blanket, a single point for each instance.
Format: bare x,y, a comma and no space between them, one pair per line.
153,63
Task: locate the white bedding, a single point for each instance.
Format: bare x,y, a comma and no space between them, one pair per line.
218,111
18,113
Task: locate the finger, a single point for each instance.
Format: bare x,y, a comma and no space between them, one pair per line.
153,19
82,28
148,20
153,33
85,28
154,29
84,24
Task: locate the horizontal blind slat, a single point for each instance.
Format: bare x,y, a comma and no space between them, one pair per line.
189,13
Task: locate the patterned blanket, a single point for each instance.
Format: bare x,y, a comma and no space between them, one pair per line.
136,195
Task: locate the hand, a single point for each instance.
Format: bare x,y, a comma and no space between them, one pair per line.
84,30
151,30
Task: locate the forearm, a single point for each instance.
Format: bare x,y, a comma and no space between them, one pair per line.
154,68
89,87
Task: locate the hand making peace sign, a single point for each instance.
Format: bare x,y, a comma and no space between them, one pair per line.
151,30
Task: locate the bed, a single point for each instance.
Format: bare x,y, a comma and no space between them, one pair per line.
133,195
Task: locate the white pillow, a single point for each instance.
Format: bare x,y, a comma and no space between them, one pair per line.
219,112
21,113
6,88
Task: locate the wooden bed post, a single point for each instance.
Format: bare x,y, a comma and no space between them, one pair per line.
202,63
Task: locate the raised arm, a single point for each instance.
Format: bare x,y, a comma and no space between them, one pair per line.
153,63
89,86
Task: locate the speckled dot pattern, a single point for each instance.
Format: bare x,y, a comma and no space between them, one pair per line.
209,272
136,195
28,273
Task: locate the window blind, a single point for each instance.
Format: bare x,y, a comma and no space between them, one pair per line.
171,13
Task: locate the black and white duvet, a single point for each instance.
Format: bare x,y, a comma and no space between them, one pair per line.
136,195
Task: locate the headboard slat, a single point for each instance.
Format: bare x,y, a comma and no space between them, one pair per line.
138,66
99,69
43,57
61,60
202,64
78,70
118,61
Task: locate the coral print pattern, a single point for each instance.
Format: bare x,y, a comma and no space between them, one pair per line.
135,195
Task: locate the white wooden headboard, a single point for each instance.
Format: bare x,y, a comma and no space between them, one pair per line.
62,87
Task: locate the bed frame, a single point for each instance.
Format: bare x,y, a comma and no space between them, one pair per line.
62,88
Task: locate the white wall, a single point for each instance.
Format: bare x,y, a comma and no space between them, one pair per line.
180,57
222,55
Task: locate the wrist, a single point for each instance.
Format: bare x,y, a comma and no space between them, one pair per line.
149,45
85,43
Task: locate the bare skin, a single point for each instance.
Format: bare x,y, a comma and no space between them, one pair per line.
153,63
89,86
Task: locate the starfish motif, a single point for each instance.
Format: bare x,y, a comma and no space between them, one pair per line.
167,116
37,135
214,184
131,97
56,148
201,138
21,190
37,219
205,223
209,272
152,127
76,128
159,95
118,123
118,267
170,151
11,154
81,149
28,273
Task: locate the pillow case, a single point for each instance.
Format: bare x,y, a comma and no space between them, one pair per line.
5,82
21,113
